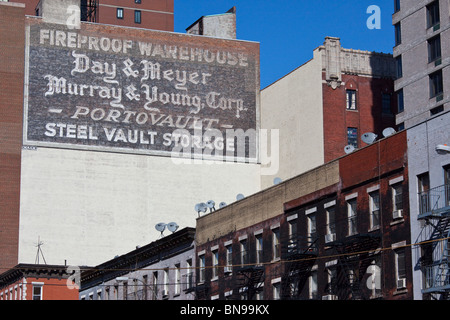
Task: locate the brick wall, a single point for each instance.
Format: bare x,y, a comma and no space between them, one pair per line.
11,112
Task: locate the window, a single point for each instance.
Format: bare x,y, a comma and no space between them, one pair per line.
276,291
397,199
447,184
312,226
189,274
386,103
399,67
201,260
351,99
276,243
244,253
331,281
119,13
400,268
165,291
229,259
331,223
137,1
293,229
352,137
37,291
436,84
177,288
400,101
155,284
215,261
434,48
398,34
374,209
351,214
259,249
396,6
137,16
433,15
313,289
423,185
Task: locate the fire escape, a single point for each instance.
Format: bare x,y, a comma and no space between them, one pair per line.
299,254
89,10
354,275
434,208
250,275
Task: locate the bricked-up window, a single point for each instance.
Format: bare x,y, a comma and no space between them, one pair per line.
351,99
137,16
352,136
433,19
386,103
119,13
434,48
398,34
436,84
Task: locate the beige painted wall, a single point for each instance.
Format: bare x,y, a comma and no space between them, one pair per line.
86,207
293,104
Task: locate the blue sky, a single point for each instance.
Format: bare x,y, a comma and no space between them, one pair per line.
289,31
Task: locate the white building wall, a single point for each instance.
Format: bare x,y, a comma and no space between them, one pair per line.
87,207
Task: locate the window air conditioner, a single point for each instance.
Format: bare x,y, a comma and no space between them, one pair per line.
398,214
330,237
401,283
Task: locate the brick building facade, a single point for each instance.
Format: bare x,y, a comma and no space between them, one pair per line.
340,231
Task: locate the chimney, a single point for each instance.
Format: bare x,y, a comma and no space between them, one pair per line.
218,26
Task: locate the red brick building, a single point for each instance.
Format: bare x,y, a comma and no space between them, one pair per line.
37,282
337,232
154,14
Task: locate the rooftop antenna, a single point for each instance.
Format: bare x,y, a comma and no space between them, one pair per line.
172,226
160,227
369,137
200,207
349,149
210,204
388,131
277,180
39,251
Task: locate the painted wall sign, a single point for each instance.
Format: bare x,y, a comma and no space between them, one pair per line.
137,91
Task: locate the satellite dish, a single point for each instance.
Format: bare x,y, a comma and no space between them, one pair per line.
349,149
210,204
369,137
200,207
277,180
240,196
388,131
222,204
160,227
172,226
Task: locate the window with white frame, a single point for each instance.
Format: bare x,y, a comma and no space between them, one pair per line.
244,253
331,224
400,267
37,291
352,217
259,248
229,258
177,288
312,226
276,243
202,269
374,209
397,200
313,288
276,289
351,99
215,262
165,291
155,285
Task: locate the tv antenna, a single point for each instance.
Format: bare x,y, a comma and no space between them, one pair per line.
160,227
39,251
349,149
172,227
388,132
200,207
369,137
277,180
210,204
